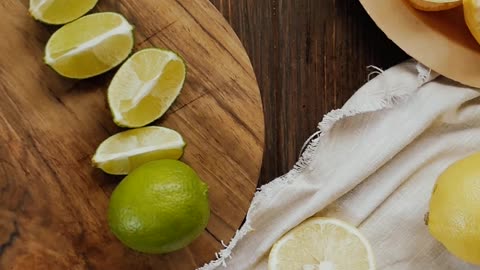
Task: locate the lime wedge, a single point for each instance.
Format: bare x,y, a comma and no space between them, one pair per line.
125,151
322,244
90,45
60,11
145,87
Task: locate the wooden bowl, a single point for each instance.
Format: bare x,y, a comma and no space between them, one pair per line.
439,40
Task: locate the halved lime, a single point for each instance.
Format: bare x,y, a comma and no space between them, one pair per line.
90,45
145,87
59,11
125,151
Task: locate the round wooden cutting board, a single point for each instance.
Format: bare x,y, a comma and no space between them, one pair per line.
53,204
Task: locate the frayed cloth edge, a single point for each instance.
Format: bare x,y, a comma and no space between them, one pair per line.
310,147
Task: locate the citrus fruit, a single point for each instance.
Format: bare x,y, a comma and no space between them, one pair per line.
90,45
60,11
160,207
322,243
471,10
454,217
435,5
125,151
145,86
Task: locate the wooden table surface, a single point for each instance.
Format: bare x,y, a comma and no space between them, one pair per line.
309,56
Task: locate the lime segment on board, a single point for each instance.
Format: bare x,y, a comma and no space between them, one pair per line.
145,87
125,151
90,45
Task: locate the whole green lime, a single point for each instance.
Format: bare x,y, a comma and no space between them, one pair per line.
160,207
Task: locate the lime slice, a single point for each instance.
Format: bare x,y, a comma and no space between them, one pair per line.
145,87
322,244
60,11
125,151
90,45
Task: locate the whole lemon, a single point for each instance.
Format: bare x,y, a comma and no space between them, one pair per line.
454,217
160,207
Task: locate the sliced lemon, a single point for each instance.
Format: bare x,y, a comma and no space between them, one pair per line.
145,87
435,5
60,11
90,45
322,244
125,151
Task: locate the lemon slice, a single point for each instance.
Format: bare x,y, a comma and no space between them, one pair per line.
90,45
322,244
435,5
145,86
60,11
125,151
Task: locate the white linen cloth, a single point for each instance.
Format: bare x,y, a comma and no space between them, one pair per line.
373,165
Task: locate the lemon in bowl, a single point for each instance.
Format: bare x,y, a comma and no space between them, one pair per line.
435,5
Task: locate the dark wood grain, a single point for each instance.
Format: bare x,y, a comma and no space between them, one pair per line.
309,57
